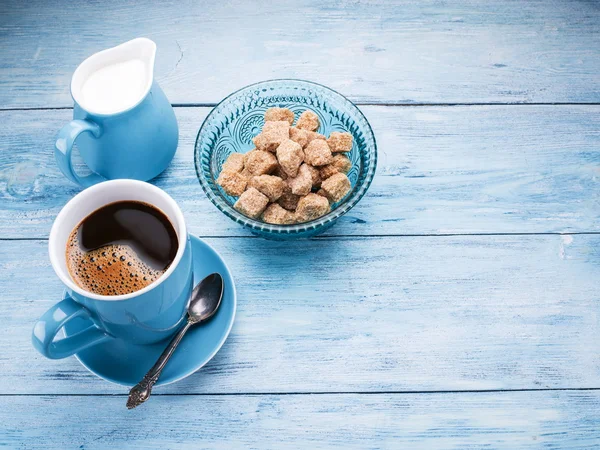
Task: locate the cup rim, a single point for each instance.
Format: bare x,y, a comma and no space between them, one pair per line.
94,190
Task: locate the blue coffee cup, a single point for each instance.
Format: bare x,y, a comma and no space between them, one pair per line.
124,129
142,317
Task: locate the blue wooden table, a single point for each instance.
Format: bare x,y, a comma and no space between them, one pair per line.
457,306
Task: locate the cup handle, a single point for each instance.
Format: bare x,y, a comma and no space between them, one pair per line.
46,329
64,147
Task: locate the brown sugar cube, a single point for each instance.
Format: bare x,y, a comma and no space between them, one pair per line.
233,183
259,162
268,185
340,164
273,134
234,163
248,153
277,215
279,114
278,172
288,200
248,156
336,187
290,156
311,207
315,175
299,136
312,135
251,203
302,183
308,120
304,137
340,142
246,174
322,193
317,153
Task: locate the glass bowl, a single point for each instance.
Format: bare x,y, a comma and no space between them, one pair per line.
233,123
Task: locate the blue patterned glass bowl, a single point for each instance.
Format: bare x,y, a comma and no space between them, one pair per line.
233,123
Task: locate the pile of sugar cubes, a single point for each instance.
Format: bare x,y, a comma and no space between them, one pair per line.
293,175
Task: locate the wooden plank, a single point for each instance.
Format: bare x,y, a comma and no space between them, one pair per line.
355,315
377,51
504,420
485,169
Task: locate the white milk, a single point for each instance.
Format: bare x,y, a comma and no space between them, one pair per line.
115,87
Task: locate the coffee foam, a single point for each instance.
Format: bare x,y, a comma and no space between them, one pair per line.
113,269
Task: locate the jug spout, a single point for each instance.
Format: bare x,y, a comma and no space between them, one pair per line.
116,79
145,49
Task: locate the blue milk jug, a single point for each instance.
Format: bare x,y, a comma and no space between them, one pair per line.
124,125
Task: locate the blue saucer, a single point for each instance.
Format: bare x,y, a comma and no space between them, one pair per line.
126,364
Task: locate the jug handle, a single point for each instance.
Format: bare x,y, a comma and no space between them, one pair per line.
63,149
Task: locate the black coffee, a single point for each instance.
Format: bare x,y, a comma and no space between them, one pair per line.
121,248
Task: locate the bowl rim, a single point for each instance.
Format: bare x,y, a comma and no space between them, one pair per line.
256,225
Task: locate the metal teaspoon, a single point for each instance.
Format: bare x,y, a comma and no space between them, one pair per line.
205,300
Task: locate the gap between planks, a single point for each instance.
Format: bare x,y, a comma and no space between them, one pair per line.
393,104
367,236
299,393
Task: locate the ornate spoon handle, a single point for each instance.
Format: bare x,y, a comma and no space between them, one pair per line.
141,391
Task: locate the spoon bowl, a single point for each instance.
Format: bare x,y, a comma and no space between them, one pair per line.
206,298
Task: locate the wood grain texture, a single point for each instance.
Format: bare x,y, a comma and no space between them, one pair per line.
376,51
508,420
442,170
356,315
367,338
